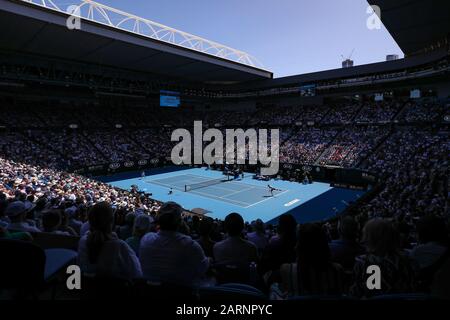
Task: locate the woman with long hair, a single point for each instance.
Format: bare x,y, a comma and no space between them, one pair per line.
101,252
313,273
383,250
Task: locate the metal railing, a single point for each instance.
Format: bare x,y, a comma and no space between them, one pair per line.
102,14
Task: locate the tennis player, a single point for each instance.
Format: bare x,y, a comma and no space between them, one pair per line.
272,189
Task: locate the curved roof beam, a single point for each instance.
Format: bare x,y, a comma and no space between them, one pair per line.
117,18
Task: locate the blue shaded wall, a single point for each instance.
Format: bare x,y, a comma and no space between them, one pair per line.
325,206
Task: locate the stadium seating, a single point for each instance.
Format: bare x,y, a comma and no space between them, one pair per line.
230,293
29,269
395,142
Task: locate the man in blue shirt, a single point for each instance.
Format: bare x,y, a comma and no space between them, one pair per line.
168,256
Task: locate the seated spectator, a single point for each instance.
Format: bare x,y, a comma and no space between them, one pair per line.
101,252
73,222
51,222
5,234
205,230
440,286
346,248
281,247
433,241
432,251
16,212
183,228
234,249
4,220
169,256
65,227
258,236
313,273
84,228
382,246
142,225
126,231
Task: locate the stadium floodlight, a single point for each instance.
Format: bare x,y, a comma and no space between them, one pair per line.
99,13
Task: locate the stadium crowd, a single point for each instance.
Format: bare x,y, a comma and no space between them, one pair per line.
65,140
403,227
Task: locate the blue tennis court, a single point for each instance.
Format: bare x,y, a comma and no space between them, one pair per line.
236,192
249,197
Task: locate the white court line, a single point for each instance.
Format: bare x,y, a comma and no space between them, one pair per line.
233,193
211,196
219,198
173,185
218,186
267,198
247,204
159,180
167,186
233,182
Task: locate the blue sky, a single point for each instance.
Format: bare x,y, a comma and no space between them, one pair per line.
288,36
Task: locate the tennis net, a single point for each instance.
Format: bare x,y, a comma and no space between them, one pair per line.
204,184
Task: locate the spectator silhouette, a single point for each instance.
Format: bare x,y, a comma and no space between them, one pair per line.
101,252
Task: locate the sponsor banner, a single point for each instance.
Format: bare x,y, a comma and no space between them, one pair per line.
142,162
114,166
128,164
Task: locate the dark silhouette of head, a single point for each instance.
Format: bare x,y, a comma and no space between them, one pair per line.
205,228
312,246
380,237
431,228
258,226
51,220
348,228
234,224
287,226
101,219
169,216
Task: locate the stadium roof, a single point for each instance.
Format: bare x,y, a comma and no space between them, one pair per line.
341,73
114,38
416,25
